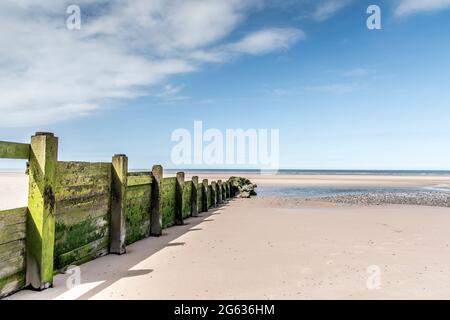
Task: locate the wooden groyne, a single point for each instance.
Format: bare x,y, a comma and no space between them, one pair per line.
78,211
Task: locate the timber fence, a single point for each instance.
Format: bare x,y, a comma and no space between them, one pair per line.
79,211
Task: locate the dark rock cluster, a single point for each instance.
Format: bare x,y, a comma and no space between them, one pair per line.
242,187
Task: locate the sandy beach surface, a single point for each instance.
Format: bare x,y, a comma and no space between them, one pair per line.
283,248
13,190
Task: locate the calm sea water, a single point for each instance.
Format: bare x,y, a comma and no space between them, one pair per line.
327,172
318,191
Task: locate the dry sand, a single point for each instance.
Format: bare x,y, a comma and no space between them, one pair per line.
13,190
276,248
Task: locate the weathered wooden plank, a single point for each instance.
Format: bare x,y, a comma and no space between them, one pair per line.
12,150
74,180
89,250
82,167
13,216
12,232
139,180
12,249
11,284
80,192
97,254
11,266
73,237
168,201
139,173
90,201
139,192
138,207
66,243
76,216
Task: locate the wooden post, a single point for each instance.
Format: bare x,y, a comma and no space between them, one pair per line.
156,218
227,190
219,192
118,205
224,191
206,198
194,208
213,194
40,239
179,199
200,196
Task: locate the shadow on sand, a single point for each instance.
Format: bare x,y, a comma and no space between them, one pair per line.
109,269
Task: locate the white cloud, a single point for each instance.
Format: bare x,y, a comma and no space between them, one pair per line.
407,7
265,41
49,74
328,8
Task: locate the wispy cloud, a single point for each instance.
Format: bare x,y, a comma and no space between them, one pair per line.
325,9
265,41
49,74
406,7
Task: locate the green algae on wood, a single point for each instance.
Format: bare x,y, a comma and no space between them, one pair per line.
118,203
186,207
213,194
200,198
12,283
194,197
168,201
139,178
206,195
41,209
12,250
83,197
179,199
137,212
12,150
219,192
156,214
85,253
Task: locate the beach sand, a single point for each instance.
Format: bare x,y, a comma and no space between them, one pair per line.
280,248
13,190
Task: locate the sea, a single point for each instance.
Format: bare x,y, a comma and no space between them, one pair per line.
319,191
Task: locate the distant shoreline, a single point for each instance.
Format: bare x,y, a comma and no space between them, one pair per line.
323,172
292,171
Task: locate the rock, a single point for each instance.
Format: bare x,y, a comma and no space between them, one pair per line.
423,198
242,187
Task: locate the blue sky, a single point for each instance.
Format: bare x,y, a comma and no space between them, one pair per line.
343,96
